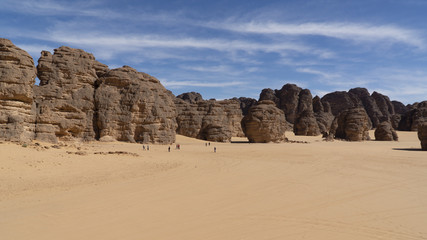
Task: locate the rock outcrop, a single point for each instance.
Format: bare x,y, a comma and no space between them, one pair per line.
191,97
209,120
422,135
414,117
323,115
264,123
134,107
385,132
352,124
297,105
341,101
65,96
17,78
246,104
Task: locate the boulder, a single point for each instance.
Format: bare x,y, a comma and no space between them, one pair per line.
245,104
352,124
65,96
17,78
422,135
135,107
385,132
264,123
414,117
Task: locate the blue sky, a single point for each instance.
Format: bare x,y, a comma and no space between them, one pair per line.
225,49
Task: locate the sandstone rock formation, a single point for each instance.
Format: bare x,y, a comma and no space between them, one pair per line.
385,132
65,97
134,106
17,77
209,120
323,115
264,123
422,135
246,104
352,124
297,105
414,117
341,101
191,97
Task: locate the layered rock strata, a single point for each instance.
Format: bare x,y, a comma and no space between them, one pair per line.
352,124
65,97
414,117
385,132
264,123
134,107
17,77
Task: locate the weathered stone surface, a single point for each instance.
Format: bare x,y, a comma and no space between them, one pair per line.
264,123
385,132
17,78
305,123
352,124
246,103
422,135
134,107
414,117
341,101
65,97
370,105
399,108
323,115
209,120
191,97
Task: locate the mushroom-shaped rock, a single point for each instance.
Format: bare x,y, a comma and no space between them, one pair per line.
264,123
352,125
385,132
422,135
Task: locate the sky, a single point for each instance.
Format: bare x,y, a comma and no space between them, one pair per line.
224,49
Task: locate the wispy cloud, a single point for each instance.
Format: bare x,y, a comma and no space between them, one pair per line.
318,72
172,84
345,31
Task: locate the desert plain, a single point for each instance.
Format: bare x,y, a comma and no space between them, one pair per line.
314,190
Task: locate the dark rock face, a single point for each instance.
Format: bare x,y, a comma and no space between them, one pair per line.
341,101
399,108
134,107
65,97
352,125
323,115
264,123
385,132
209,120
414,117
370,105
17,77
245,104
297,105
191,97
422,135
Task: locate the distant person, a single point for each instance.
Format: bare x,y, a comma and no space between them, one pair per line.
143,147
215,149
169,149
209,143
148,148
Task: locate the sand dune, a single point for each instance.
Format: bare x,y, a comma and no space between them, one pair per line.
319,190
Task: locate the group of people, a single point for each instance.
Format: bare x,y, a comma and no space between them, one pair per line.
148,147
178,147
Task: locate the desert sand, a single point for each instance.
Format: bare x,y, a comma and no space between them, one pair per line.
318,190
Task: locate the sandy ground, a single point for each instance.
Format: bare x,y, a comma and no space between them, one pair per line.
319,190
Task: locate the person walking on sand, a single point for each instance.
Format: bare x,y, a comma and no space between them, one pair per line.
214,149
143,147
148,148
169,149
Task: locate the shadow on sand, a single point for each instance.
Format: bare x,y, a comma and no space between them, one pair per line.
239,141
408,149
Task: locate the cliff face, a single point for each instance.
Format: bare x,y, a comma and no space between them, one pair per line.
208,119
134,107
65,97
17,77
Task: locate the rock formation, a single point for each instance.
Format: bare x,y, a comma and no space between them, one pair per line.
209,120
323,115
17,78
245,104
65,96
385,132
422,135
341,101
134,107
191,97
414,117
297,105
352,124
264,123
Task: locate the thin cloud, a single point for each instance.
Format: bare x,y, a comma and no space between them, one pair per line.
317,72
200,84
344,31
